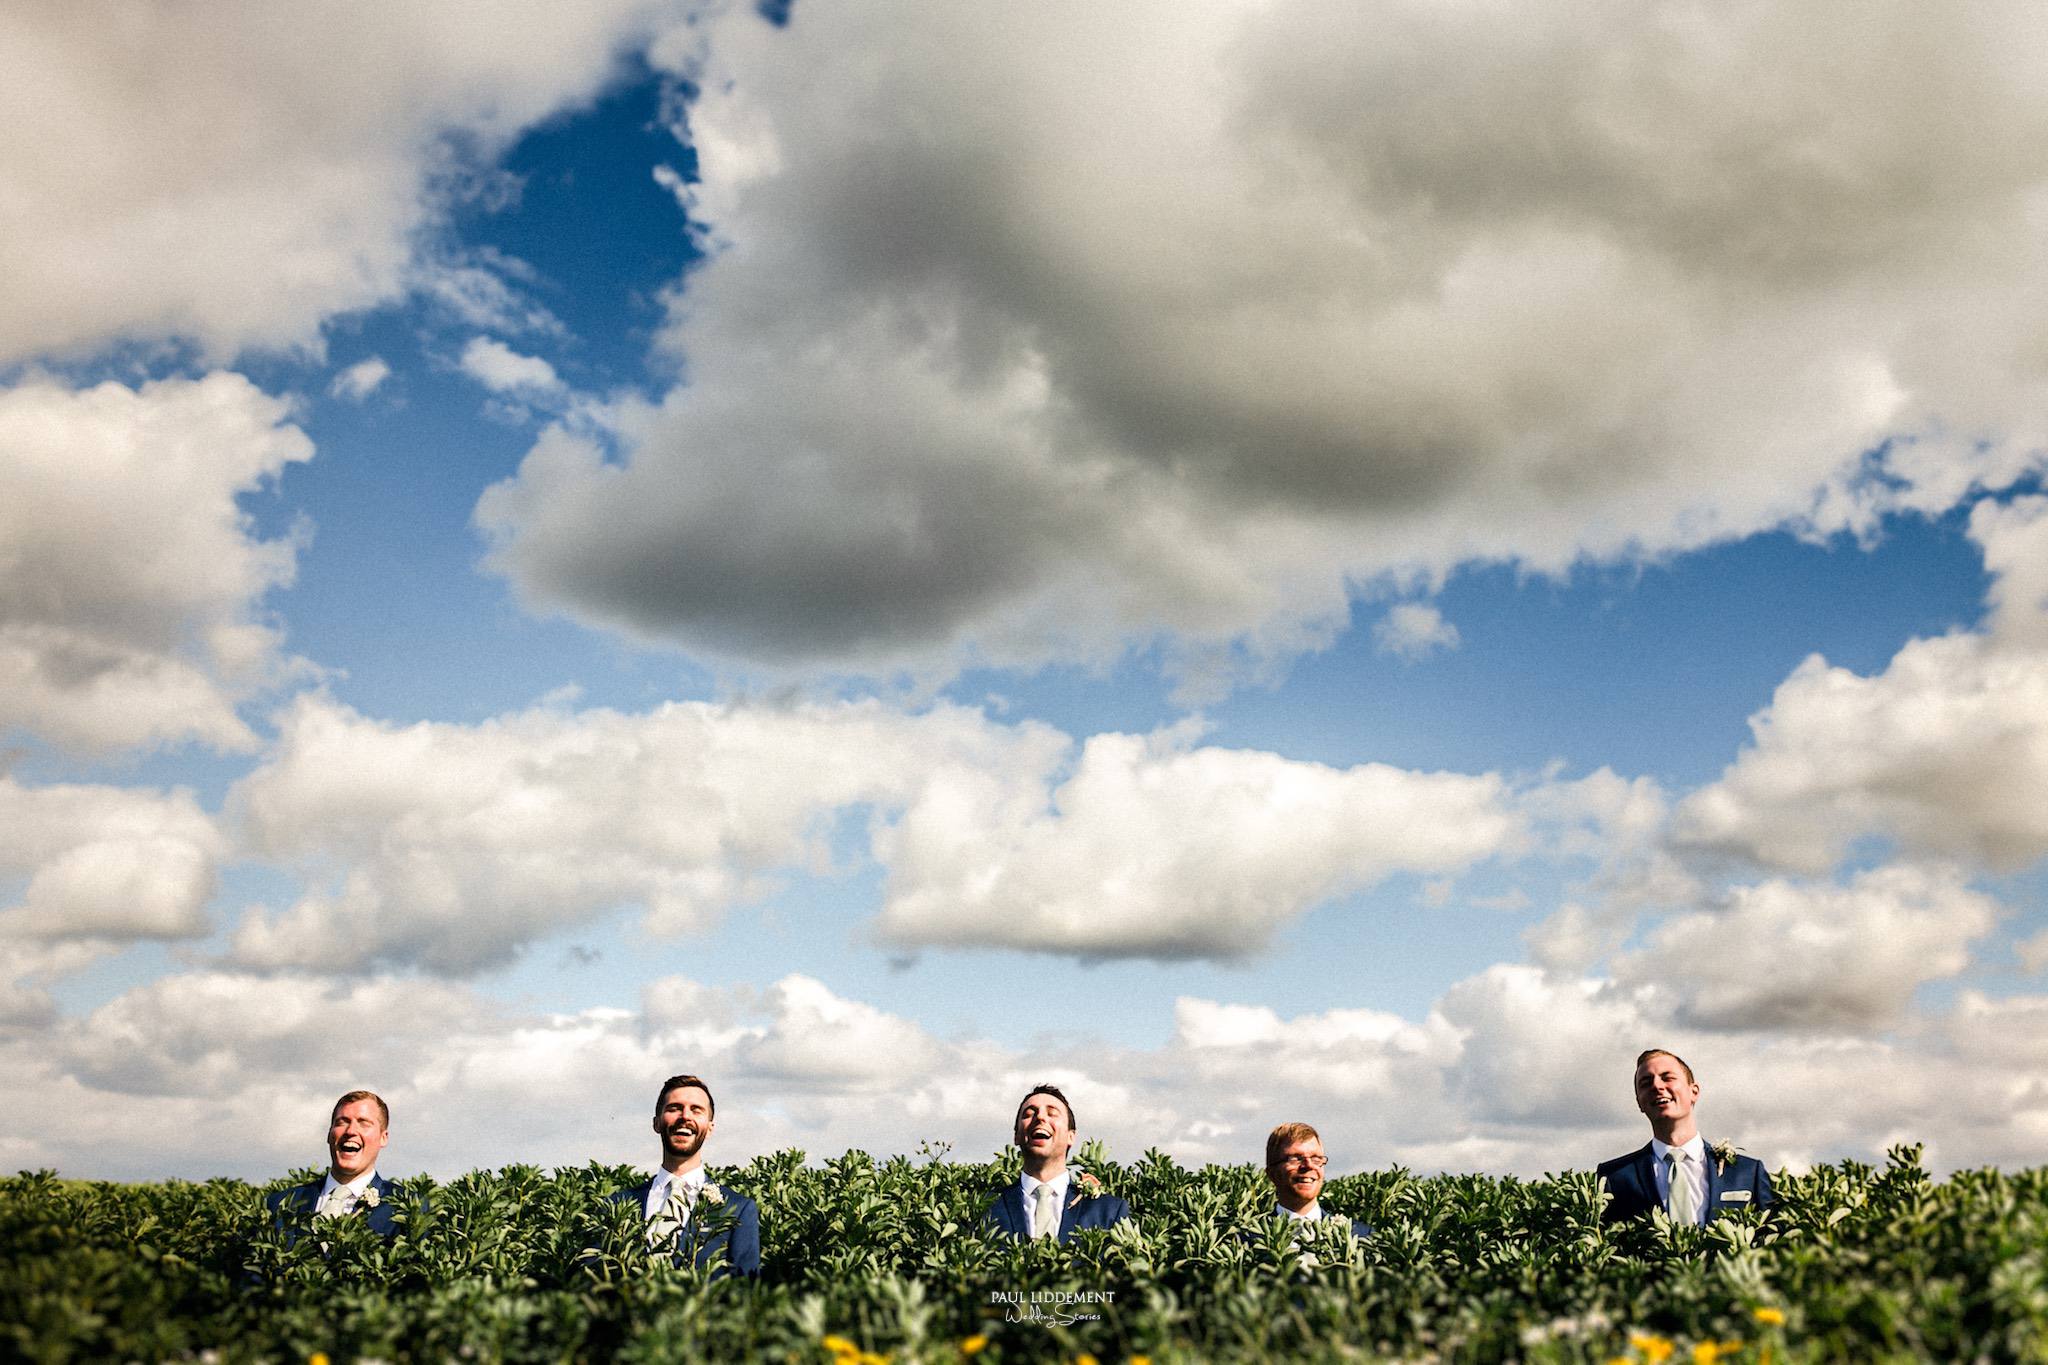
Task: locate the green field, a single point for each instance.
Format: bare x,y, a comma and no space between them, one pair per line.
887,1260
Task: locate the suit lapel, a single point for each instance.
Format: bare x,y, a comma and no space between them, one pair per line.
1646,1176
1012,1214
1070,1216
1713,1179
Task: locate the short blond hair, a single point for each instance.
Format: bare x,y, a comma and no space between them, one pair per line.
1285,1136
353,1096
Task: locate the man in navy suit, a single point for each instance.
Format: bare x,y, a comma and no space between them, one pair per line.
1294,1163
688,1216
1049,1199
357,1129
1678,1172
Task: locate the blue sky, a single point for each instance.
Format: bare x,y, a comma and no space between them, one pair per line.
869,557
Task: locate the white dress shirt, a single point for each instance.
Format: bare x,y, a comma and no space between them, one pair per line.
1060,1184
692,1182
1695,1172
1312,1214
331,1207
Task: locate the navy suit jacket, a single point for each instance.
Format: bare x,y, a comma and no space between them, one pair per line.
1632,1182
1100,1211
736,1224
301,1201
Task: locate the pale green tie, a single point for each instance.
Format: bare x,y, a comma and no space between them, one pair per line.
670,1218
1682,1210
1045,1218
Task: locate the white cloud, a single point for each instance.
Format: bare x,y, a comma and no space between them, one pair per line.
452,846
237,177
1784,957
361,379
1513,1072
129,609
1414,630
1945,752
1153,848
970,380
106,863
501,369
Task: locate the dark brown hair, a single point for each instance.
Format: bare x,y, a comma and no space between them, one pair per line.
677,1083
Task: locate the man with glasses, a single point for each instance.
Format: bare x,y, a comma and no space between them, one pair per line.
1294,1163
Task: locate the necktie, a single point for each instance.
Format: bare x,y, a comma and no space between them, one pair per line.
669,1219
1682,1210
1045,1218
337,1202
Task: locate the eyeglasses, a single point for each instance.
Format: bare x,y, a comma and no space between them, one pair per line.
1304,1162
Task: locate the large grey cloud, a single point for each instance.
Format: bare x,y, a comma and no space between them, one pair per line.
1005,353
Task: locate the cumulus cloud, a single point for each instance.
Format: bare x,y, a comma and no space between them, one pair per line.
106,863
235,181
971,380
361,379
1512,1072
1154,848
1785,957
452,846
501,369
91,870
130,605
1414,630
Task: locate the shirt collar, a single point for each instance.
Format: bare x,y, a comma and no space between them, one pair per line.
1312,1214
1695,1149
691,1180
1028,1182
354,1187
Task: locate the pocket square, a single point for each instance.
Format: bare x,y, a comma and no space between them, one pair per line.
1735,1196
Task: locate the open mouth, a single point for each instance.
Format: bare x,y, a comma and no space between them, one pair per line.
349,1144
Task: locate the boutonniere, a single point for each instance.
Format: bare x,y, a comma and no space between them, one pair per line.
1086,1186
1724,1155
370,1199
712,1194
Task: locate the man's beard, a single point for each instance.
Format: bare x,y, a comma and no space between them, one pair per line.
690,1145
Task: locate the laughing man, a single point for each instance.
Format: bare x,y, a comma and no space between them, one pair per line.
688,1216
1049,1199
1679,1171
357,1129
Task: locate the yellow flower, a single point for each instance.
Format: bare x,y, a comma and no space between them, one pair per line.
974,1345
317,1358
1656,1350
1771,1317
1141,1360
1707,1352
871,1358
1085,1359
840,1346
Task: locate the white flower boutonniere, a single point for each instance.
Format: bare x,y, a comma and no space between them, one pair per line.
712,1194
370,1198
1724,1156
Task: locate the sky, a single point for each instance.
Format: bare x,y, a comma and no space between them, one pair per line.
1259,561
